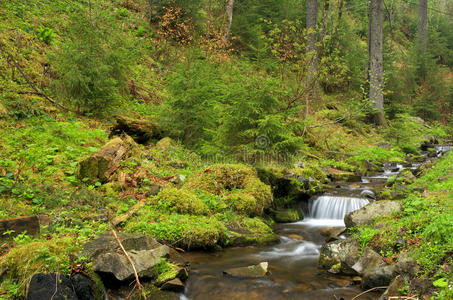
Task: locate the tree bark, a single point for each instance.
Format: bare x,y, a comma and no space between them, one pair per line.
422,24
375,38
229,12
312,20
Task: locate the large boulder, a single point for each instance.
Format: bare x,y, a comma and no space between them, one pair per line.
340,256
100,166
255,271
368,213
108,258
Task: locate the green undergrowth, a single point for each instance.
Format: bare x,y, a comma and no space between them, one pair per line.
423,229
30,256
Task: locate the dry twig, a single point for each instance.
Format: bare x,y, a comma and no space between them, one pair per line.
370,290
140,287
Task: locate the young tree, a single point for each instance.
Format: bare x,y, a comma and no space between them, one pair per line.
376,61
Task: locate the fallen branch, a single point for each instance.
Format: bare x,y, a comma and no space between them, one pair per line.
124,217
370,290
137,280
38,92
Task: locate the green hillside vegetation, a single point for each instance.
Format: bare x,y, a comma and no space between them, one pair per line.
235,115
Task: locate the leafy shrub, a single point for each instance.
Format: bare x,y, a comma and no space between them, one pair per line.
46,35
20,108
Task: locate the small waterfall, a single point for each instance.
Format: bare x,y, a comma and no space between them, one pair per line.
334,207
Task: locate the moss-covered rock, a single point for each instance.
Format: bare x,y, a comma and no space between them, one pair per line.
250,231
166,144
181,201
249,195
244,203
100,166
286,216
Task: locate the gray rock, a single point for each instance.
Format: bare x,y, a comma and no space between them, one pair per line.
406,176
174,285
339,256
369,212
394,288
178,179
381,275
407,266
255,271
368,261
109,259
153,189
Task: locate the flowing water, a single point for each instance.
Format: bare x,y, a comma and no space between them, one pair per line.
293,261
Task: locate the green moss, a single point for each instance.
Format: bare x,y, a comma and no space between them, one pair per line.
243,203
249,195
37,256
96,279
165,271
184,231
166,144
286,216
181,201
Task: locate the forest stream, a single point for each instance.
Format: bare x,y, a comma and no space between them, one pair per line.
293,270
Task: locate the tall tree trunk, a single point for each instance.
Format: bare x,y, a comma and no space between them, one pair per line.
376,61
229,12
312,20
422,34
422,23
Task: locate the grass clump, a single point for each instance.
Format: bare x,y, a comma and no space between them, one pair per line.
181,201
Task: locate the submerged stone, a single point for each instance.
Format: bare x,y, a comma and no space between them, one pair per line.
255,271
